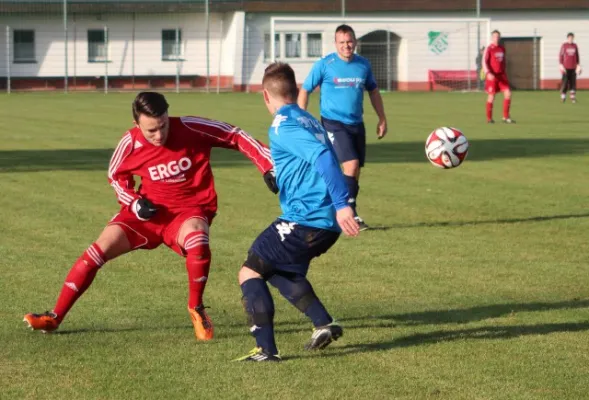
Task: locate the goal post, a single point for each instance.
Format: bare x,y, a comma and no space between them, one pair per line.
405,53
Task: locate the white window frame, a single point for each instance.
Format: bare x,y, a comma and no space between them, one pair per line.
15,59
99,59
302,39
306,42
269,55
173,57
281,48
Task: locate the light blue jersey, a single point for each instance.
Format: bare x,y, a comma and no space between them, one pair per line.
297,140
342,87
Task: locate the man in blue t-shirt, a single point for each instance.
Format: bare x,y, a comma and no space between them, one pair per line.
342,77
315,210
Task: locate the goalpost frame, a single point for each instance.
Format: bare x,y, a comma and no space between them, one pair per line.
273,20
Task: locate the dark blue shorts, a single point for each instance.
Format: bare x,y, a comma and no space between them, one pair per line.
289,248
349,141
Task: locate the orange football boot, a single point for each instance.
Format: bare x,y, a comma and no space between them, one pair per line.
203,326
46,322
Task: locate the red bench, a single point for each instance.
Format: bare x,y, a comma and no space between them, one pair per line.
452,79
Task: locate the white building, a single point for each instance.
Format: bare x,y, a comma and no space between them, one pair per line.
164,44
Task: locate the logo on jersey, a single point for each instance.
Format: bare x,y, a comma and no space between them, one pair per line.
499,55
278,119
571,51
284,229
310,123
437,42
170,170
320,137
331,137
314,126
348,82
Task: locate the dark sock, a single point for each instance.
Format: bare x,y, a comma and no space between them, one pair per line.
259,307
299,292
353,190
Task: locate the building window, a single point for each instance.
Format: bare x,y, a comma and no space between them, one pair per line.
314,45
97,46
267,48
292,44
24,46
171,46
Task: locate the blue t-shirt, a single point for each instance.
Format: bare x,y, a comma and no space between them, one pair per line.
297,139
342,87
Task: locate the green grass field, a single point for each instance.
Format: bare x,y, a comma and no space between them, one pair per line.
474,286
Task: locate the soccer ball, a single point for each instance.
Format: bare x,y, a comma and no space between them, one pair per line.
446,147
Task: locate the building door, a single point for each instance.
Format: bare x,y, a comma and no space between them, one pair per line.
523,60
381,48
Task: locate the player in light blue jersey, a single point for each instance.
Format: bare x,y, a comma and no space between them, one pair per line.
315,210
343,76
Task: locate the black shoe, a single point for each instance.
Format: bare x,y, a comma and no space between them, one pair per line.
324,335
361,223
490,121
259,355
508,121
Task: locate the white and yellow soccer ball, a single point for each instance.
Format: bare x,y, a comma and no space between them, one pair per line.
446,147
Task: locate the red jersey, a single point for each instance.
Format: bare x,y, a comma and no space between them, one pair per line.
178,174
569,55
494,59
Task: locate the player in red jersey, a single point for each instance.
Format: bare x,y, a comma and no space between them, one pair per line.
570,67
174,205
496,77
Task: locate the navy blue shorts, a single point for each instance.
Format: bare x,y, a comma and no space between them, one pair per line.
349,141
285,247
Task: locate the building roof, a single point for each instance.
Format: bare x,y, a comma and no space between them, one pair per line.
280,6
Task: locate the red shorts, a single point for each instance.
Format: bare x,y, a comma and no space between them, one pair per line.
499,84
162,228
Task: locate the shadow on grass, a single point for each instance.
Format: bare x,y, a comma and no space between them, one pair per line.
87,160
437,317
471,314
99,330
444,336
383,152
433,317
439,224
457,316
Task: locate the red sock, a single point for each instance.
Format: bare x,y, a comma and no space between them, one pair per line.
506,105
198,263
489,111
79,279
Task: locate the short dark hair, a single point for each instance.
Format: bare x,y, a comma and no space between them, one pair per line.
345,29
279,79
151,104
496,31
571,34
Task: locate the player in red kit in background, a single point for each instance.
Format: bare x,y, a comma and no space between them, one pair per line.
174,205
569,68
496,77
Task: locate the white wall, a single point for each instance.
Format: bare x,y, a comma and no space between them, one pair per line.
233,46
552,28
242,40
415,55
146,45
